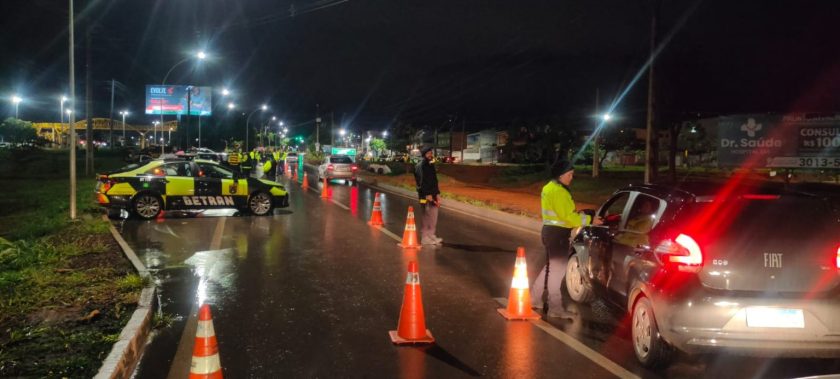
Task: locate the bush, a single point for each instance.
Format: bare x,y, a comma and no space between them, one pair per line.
314,158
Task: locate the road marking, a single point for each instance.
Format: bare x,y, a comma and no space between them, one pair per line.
217,234
180,367
578,346
389,233
340,205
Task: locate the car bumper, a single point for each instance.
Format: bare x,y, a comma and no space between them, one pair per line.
281,201
341,174
113,201
706,323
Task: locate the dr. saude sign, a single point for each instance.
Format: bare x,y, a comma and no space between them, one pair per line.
779,141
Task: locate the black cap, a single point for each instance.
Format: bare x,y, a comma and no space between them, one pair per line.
561,167
425,150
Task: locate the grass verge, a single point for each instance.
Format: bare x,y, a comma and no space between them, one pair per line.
66,290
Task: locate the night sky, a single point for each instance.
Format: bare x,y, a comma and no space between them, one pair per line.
372,62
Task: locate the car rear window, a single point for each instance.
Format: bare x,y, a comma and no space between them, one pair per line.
759,214
340,160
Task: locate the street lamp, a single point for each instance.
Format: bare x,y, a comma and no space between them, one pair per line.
225,92
231,106
606,117
123,114
384,133
201,55
16,101
154,131
248,123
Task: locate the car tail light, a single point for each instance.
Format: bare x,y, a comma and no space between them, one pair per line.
354,167
330,167
837,258
683,252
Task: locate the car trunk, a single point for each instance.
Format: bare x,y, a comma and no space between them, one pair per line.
773,244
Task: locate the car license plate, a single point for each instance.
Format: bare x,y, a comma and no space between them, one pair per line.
765,317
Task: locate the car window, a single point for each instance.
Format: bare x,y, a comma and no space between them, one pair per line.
340,160
172,169
644,214
613,209
214,171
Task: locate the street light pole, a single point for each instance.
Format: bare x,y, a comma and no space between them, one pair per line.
123,113
200,55
248,124
72,117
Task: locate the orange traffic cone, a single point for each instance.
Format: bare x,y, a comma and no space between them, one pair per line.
519,302
325,190
305,181
205,358
411,328
376,215
409,240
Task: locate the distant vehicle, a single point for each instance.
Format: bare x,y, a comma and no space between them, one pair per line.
700,268
448,159
205,153
291,159
146,189
338,167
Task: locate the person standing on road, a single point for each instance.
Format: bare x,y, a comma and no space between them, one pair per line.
559,218
429,194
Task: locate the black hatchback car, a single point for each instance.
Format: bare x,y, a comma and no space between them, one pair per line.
747,268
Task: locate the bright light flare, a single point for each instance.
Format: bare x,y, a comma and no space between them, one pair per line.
606,117
225,92
264,107
16,99
231,106
201,55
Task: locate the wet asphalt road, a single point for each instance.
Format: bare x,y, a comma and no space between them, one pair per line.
313,290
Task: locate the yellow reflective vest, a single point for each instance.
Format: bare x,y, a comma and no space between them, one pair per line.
233,158
558,208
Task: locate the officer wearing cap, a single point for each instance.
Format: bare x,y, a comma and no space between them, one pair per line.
429,194
559,218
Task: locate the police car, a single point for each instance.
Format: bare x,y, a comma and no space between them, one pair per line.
146,189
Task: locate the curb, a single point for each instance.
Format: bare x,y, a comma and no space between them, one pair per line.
126,353
523,223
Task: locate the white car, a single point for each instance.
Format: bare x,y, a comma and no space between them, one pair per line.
338,167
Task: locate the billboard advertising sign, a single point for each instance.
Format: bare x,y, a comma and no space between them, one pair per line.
779,141
172,100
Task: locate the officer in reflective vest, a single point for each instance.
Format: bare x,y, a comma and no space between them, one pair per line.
245,163
278,162
233,158
559,218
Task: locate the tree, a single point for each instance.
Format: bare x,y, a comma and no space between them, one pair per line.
377,145
17,130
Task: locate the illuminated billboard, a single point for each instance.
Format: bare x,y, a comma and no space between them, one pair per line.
172,100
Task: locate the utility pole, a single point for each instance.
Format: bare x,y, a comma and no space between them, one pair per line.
596,169
72,118
88,101
111,118
650,135
317,127
189,104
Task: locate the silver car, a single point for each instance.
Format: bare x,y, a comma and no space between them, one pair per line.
338,167
750,269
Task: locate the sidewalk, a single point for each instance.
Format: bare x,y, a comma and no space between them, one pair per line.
521,201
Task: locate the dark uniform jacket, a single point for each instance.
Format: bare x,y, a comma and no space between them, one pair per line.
426,178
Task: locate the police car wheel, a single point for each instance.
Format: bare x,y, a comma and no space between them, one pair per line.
147,206
259,203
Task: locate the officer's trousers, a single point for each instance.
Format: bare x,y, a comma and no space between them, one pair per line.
556,242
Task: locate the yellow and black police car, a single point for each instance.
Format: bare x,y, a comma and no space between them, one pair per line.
147,188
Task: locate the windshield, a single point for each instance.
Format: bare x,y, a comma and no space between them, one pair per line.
340,159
